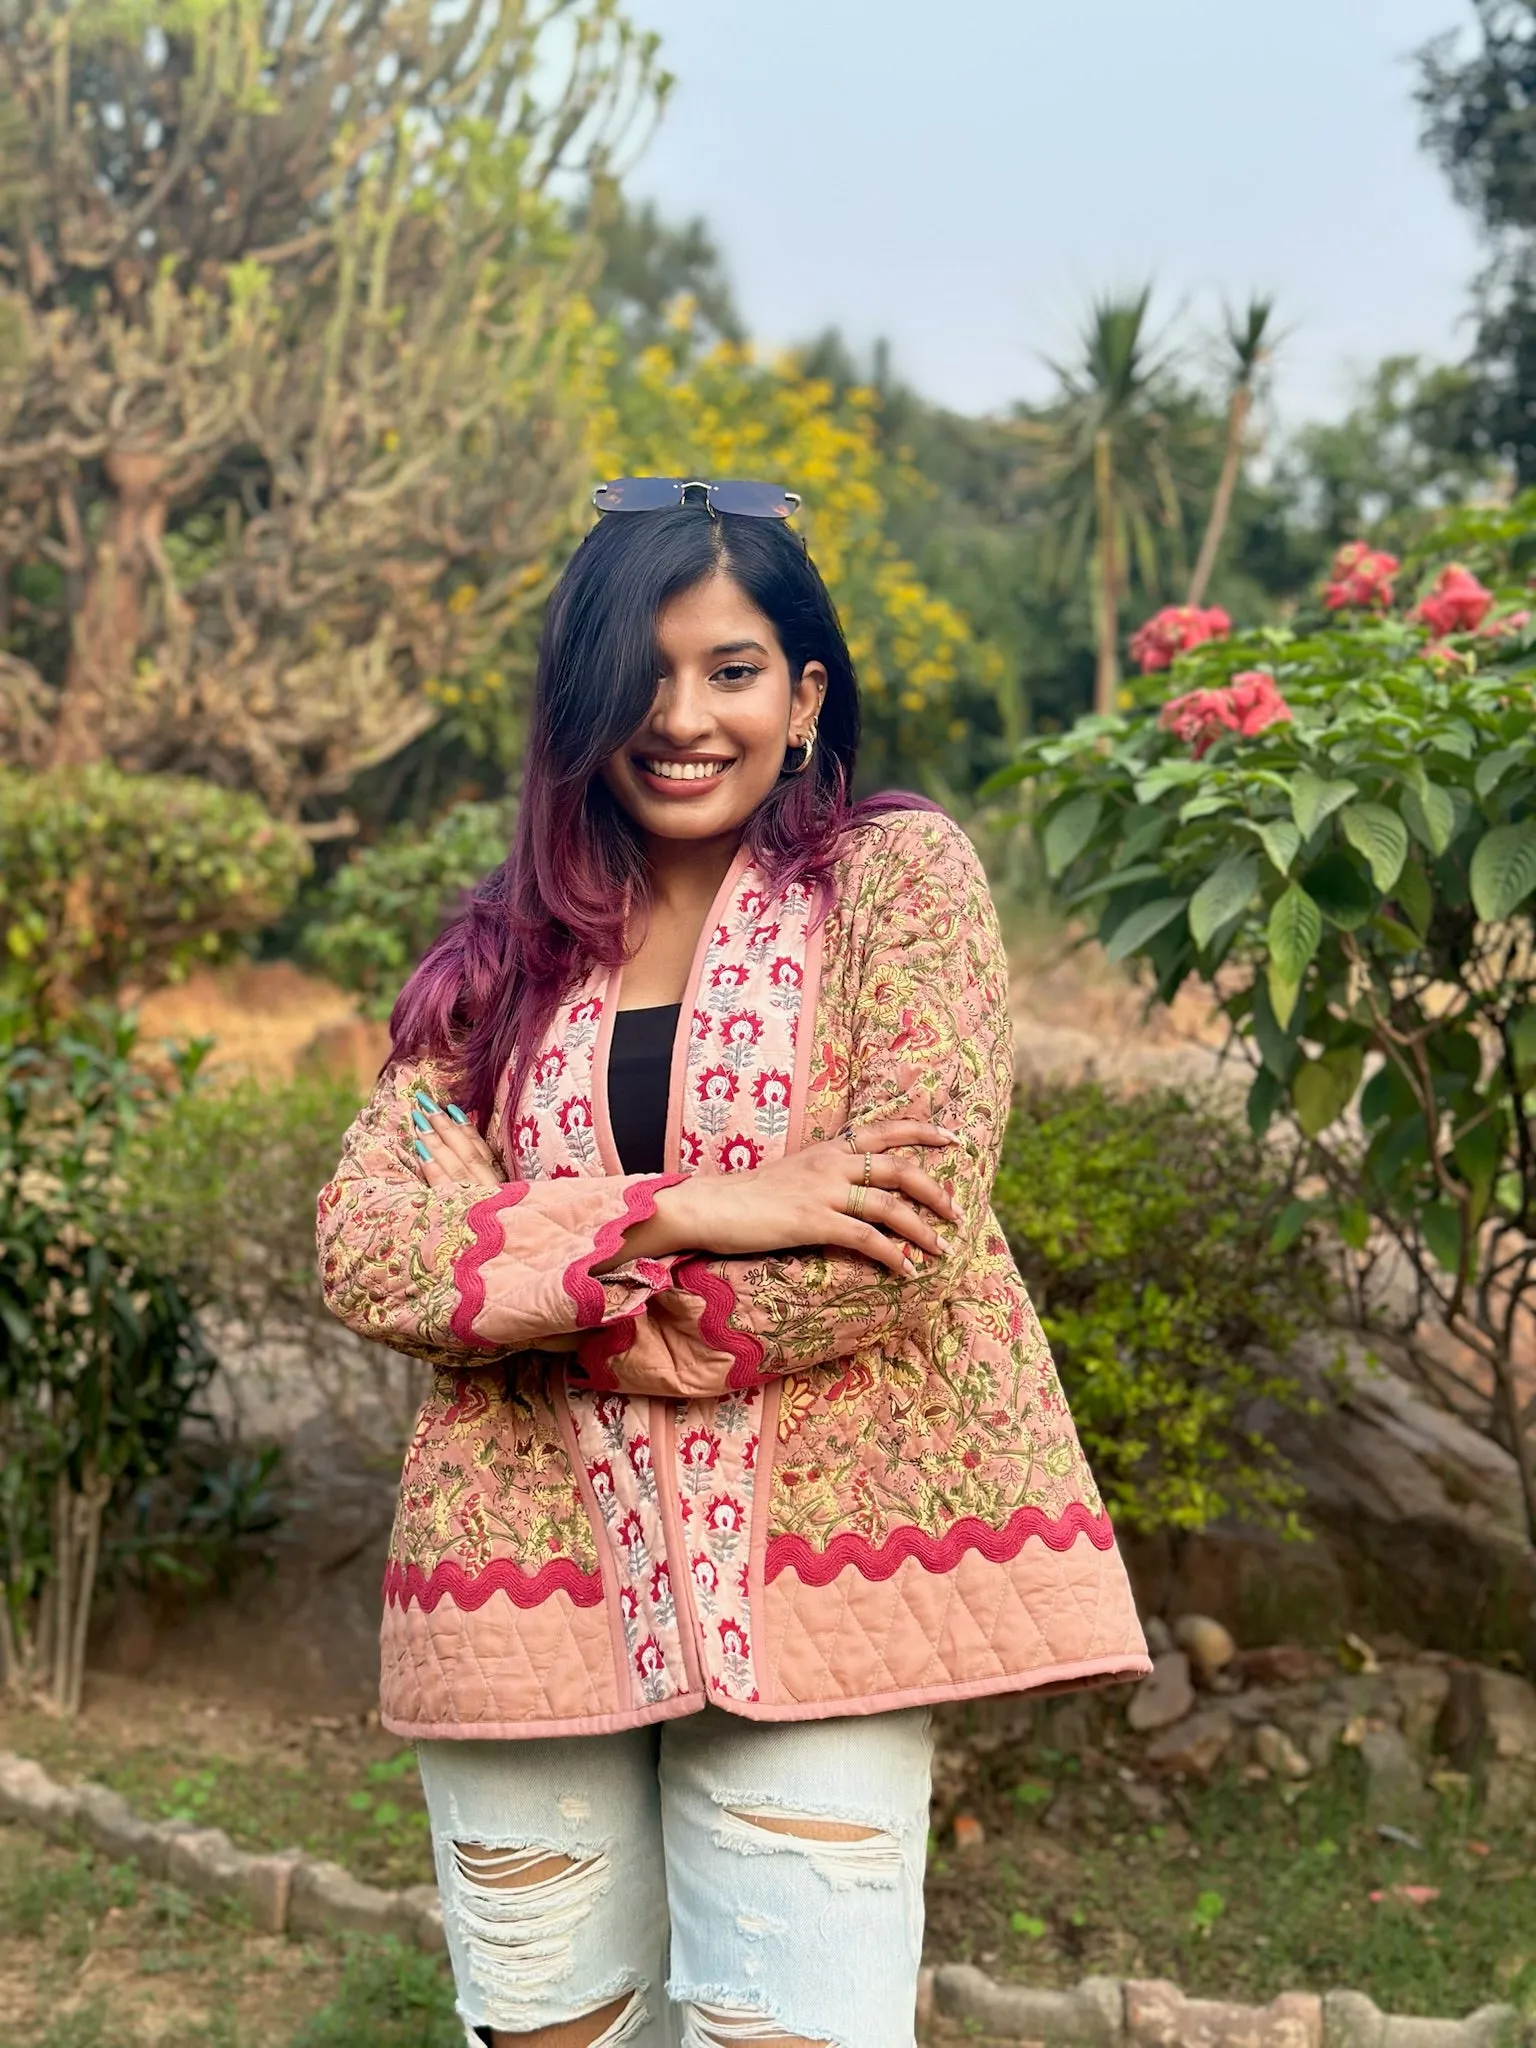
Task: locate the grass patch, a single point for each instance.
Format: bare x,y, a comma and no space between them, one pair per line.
1236,1894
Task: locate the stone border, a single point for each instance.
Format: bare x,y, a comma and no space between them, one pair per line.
291,1893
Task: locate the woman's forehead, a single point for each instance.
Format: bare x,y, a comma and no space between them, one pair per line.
714,616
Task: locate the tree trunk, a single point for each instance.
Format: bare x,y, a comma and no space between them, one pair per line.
1226,485
1106,682
109,626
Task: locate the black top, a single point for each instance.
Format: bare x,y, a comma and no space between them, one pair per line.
639,1073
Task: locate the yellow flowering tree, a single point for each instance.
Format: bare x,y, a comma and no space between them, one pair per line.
679,409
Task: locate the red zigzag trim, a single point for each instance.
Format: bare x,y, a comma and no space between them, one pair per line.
407,1585
489,1238
935,1554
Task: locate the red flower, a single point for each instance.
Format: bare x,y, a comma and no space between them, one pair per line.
574,1114
702,1022
1457,604
705,1577
1248,704
629,1603
661,1584
600,1478
1175,630
771,1090
691,1151
724,1515
548,1067
630,1533
751,903
525,1137
649,1661
727,980
786,973
745,1027
586,1013
470,1401
733,1639
740,1155
609,1409
1361,578
640,1453
700,1448
716,1084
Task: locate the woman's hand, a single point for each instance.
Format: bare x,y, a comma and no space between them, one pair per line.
450,1151
820,1196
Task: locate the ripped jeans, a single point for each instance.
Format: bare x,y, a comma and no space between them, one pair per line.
659,1872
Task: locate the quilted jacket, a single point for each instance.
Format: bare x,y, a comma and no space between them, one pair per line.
792,1484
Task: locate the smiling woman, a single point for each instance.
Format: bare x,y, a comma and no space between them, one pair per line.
635,1495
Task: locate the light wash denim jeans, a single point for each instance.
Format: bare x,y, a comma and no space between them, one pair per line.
683,1886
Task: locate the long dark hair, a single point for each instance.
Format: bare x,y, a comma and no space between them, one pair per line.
485,993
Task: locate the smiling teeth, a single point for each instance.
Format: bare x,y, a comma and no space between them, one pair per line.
686,771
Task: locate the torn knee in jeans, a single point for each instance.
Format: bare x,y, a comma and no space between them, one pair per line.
713,2026
517,1909
844,1852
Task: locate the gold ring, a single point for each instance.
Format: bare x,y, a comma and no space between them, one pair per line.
869,1168
855,1202
848,1134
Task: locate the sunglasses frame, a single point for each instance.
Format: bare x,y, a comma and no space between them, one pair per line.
789,506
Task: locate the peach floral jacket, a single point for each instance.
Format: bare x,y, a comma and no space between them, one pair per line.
794,1484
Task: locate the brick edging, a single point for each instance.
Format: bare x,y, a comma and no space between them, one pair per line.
291,1893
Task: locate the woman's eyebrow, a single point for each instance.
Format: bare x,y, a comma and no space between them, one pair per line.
739,647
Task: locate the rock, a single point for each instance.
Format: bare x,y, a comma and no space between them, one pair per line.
422,1908
1351,2020
1195,1746
1209,1646
1274,1749
110,1824
969,1832
204,1862
1509,1714
1066,1812
1318,1734
27,1793
1145,1801
1090,2016
326,1899
1394,1790
1159,1637
1164,1696
1158,2015
925,1998
1421,1691
1280,1664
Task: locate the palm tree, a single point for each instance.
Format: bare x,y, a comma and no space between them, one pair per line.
1251,345
1106,459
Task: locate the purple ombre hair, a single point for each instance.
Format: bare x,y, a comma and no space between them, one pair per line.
483,997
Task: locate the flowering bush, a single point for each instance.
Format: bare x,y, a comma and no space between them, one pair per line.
1175,630
1335,828
1361,579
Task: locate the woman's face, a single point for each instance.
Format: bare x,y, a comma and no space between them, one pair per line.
712,745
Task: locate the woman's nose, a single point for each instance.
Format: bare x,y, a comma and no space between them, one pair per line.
681,713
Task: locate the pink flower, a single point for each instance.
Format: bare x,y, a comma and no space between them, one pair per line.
705,1576
1510,624
1361,578
700,1448
1248,704
1175,630
1457,604
600,1478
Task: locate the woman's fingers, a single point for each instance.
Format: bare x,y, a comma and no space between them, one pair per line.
456,1145
890,1252
909,1179
899,1217
889,1132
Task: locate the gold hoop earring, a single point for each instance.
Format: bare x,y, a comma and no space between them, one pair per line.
808,749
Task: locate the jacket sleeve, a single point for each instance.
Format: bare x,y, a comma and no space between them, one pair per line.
931,1038
458,1277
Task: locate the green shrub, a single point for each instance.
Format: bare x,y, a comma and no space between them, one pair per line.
378,914
101,1360
389,1996
1141,1225
1334,826
107,879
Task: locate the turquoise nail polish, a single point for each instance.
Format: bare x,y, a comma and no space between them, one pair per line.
457,1114
419,1121
423,1151
427,1103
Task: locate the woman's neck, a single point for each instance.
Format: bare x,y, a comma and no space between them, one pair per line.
686,875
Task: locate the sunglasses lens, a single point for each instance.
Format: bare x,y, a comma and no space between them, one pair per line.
639,494
753,501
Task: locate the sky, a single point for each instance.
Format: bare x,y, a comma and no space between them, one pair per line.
962,176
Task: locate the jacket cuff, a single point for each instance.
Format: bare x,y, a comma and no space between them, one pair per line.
624,1291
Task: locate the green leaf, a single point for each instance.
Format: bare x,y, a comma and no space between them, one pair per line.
1278,1050
1264,1098
1381,836
1490,770
1068,831
1479,1153
1282,994
1522,1041
1504,869
1118,878
1440,1223
1280,840
1028,1924
1340,891
1430,815
1324,1089
1222,895
1293,1220
1133,933
1353,1222
1415,898
1205,805
1295,928
1313,800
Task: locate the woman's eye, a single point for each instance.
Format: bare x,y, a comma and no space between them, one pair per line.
736,672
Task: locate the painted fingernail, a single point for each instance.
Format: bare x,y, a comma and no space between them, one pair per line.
423,1151
419,1121
909,1269
457,1114
427,1103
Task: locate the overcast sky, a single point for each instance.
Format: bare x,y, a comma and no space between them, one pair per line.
961,175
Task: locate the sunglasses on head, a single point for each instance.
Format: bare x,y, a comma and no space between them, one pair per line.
665,493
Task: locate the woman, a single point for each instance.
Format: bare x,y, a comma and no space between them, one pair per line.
743,1444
